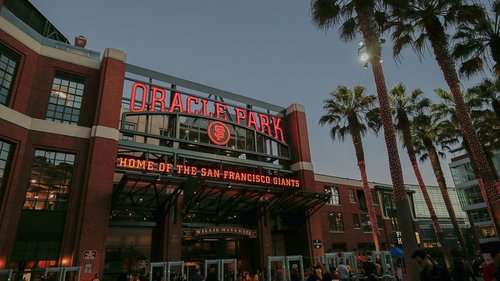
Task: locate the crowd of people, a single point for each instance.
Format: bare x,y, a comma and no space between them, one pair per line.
461,270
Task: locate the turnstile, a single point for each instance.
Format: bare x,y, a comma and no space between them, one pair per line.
61,272
166,269
223,273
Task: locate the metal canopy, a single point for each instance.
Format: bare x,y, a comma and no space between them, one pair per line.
146,197
223,199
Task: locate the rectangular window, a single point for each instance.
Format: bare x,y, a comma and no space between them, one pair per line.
333,191
355,220
374,197
366,223
9,61
352,195
50,181
66,97
379,222
6,150
336,222
127,135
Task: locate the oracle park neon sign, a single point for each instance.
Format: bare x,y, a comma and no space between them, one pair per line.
158,100
204,172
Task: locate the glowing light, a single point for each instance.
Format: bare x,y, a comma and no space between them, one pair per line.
364,57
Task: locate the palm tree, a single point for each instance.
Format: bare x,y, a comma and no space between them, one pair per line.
351,112
405,108
484,120
479,41
416,21
427,138
489,93
359,16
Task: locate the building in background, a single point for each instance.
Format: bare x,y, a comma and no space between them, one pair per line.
471,199
427,233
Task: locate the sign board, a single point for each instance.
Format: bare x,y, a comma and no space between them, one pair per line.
204,172
317,244
399,238
89,254
143,263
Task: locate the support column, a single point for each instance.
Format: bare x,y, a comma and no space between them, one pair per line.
173,232
298,138
96,201
265,237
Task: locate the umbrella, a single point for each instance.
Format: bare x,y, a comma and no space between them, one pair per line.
396,252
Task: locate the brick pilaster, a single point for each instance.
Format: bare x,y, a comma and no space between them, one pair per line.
298,138
96,201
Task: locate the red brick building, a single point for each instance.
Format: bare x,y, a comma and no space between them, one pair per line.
105,165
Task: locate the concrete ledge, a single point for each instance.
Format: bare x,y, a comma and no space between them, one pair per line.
115,54
105,133
47,51
295,107
302,166
47,126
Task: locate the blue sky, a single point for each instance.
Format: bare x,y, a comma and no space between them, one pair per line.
265,49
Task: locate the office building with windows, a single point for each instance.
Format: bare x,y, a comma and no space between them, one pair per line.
471,199
426,229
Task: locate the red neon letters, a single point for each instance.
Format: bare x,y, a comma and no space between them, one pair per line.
186,170
269,125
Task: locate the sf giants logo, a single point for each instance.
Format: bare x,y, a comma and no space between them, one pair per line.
218,133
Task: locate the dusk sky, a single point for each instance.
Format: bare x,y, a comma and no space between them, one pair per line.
267,50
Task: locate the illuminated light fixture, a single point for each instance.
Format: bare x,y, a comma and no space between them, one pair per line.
140,199
364,57
361,43
33,181
60,94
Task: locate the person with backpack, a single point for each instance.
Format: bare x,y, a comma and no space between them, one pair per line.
343,271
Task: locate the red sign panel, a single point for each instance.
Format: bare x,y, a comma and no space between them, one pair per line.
187,170
218,133
159,101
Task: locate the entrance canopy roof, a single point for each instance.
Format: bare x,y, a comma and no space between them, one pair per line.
142,197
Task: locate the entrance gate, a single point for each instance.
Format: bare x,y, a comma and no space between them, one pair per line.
290,260
386,264
62,272
280,267
223,269
330,259
280,262
7,272
349,259
166,270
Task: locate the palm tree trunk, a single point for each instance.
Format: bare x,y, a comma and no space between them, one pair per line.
404,215
360,156
438,172
407,139
487,183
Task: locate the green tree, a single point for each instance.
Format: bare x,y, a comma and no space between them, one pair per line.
479,41
405,108
351,112
428,136
361,16
488,91
414,23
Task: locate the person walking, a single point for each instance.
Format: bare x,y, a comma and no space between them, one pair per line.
430,270
343,271
460,271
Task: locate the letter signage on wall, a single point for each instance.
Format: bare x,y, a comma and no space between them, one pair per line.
154,99
210,173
